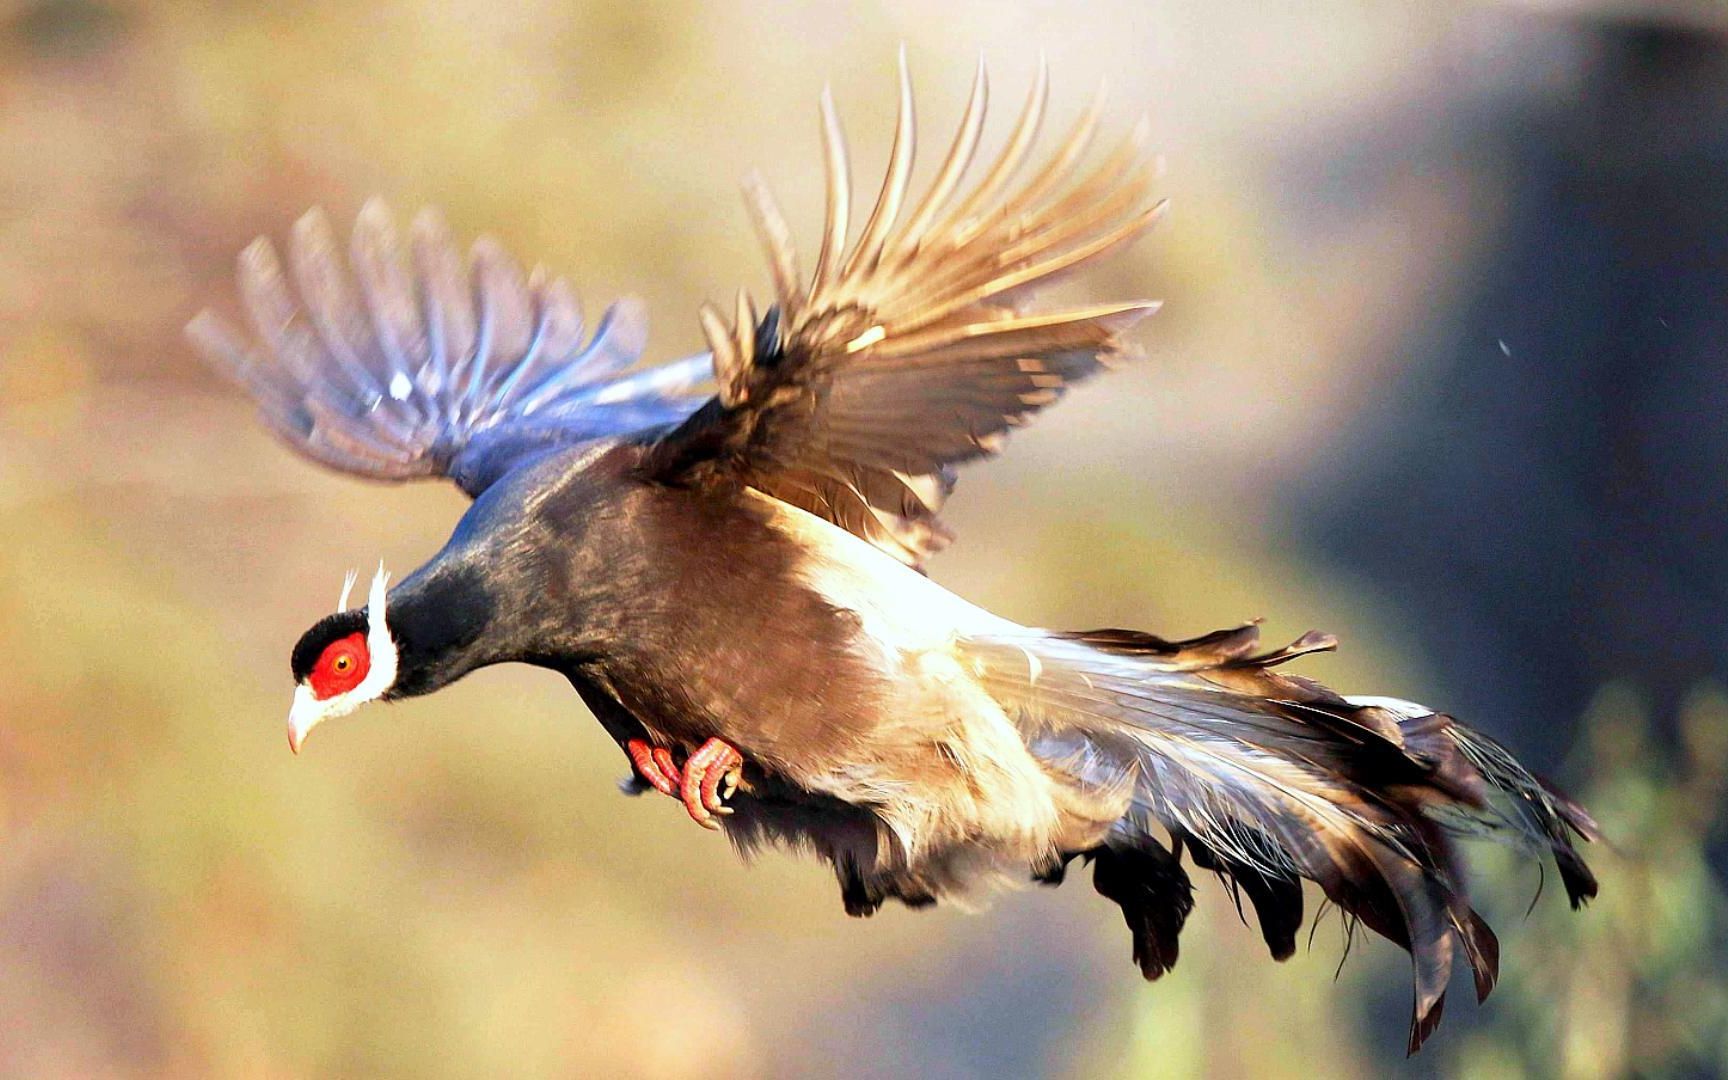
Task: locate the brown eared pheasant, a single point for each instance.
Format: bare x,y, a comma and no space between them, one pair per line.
732,577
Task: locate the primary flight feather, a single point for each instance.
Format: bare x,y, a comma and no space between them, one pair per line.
733,582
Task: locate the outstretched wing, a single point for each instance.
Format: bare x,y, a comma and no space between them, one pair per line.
433,365
908,352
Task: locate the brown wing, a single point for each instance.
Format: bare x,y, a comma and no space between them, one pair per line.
909,351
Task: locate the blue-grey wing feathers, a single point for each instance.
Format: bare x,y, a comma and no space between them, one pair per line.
396,364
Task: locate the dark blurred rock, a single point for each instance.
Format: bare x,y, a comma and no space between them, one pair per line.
66,29
1547,498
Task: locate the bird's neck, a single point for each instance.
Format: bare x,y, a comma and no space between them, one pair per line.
443,618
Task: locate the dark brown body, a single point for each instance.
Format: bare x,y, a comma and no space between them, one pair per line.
684,613
684,607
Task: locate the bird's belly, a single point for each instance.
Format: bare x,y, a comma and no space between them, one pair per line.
935,755
838,673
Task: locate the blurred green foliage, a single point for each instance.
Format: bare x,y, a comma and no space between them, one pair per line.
1634,986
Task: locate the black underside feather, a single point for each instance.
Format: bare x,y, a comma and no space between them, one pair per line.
1155,896
1277,901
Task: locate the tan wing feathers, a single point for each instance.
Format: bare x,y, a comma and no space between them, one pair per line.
839,200
894,184
907,351
897,281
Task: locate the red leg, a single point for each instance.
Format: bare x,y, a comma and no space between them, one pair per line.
715,763
655,766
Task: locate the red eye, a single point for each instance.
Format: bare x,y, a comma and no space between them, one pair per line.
341,668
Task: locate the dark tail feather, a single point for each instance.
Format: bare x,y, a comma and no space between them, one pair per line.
1534,809
1267,779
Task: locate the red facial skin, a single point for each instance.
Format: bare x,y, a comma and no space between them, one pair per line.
341,668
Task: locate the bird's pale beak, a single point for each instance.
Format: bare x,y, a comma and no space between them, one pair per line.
303,717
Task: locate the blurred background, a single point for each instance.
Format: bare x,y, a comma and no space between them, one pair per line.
1443,369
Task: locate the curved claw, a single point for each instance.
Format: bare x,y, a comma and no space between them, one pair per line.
668,767
715,763
655,765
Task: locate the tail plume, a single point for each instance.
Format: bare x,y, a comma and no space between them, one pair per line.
1269,779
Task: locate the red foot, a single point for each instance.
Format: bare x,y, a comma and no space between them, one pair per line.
704,771
698,783
655,765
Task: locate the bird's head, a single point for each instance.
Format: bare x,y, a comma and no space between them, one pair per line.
342,662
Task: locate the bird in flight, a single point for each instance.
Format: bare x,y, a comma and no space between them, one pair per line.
733,580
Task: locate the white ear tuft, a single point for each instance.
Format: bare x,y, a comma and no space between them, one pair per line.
375,596
379,644
347,589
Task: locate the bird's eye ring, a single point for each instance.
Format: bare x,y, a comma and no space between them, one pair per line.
343,663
